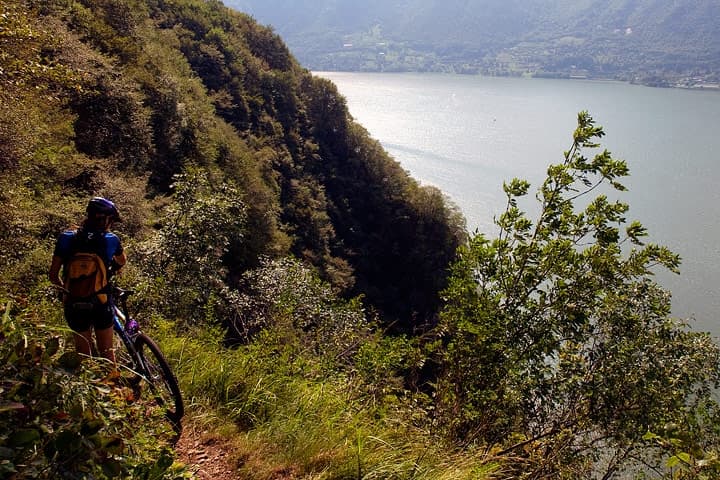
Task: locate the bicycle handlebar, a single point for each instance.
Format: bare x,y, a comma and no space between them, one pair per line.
121,293
118,292
60,288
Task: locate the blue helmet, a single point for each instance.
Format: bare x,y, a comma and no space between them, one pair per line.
102,206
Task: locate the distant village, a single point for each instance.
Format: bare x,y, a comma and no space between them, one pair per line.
699,83
387,57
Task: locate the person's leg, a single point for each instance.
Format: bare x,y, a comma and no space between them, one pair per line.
102,324
83,342
80,324
104,339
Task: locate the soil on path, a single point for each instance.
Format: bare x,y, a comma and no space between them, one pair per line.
205,455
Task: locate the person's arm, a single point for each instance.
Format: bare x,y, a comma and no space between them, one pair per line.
119,261
118,258
54,273
60,254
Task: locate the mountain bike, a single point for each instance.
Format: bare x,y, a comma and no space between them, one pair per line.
142,360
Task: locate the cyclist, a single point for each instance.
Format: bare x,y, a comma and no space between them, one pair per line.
92,239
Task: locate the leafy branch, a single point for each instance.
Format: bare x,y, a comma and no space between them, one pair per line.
545,324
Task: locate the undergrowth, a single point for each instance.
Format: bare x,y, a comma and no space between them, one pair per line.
288,417
61,418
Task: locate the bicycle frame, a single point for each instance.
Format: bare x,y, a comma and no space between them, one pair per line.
148,362
121,314
120,318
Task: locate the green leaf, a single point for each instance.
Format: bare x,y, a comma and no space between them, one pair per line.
516,187
52,346
68,442
114,444
681,458
91,426
163,463
6,453
25,437
6,467
112,468
650,436
70,360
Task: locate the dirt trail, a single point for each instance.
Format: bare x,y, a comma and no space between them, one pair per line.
205,455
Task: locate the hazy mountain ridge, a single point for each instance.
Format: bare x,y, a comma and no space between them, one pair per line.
650,41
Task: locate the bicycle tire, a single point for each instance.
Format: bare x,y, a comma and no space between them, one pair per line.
162,381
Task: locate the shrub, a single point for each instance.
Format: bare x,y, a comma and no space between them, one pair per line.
59,418
557,343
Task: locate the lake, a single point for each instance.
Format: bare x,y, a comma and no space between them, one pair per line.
468,134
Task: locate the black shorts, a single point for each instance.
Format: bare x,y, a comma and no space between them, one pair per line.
85,317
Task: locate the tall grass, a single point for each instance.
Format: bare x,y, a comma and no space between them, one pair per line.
285,419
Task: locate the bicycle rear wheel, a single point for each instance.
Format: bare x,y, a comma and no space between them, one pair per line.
161,380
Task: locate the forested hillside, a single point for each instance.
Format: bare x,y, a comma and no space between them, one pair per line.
137,92
325,315
654,42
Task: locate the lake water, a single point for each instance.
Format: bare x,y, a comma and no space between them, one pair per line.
468,134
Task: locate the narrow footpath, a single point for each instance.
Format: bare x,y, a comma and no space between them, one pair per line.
205,455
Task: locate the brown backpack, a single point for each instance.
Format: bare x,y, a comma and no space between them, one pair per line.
85,274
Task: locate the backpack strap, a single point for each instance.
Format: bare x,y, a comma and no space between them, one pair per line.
88,241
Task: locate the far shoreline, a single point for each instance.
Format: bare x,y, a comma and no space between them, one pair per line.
705,87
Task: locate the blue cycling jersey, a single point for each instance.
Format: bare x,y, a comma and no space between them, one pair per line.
112,246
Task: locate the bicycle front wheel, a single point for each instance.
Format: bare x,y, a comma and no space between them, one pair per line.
160,378
125,358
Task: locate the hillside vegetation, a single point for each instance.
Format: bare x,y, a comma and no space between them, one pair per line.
135,93
325,314
653,42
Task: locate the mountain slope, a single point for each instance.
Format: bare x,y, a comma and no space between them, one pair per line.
620,39
124,96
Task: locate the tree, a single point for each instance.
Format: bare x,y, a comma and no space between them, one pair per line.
185,260
556,344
